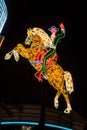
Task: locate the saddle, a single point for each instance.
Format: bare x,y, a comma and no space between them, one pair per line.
53,59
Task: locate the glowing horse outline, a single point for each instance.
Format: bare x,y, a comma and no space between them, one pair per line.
36,37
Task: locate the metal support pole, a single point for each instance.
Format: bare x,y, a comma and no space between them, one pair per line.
43,106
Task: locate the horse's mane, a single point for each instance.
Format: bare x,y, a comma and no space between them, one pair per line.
44,36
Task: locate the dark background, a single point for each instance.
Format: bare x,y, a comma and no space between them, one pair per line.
18,84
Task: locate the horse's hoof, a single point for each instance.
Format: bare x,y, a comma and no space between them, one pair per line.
67,111
56,104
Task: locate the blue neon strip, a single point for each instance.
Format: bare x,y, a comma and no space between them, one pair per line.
3,14
37,62
18,122
33,123
57,126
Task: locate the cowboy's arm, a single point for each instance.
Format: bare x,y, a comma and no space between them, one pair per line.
60,36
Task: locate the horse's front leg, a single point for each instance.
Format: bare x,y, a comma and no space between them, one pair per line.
9,55
15,52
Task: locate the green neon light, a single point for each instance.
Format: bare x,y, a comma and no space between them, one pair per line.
33,123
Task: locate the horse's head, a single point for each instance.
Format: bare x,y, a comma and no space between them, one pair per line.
37,37
30,35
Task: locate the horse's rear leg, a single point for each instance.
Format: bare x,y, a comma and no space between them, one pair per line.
69,108
56,103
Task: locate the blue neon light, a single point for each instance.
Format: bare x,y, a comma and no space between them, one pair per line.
37,62
57,126
3,14
33,123
18,122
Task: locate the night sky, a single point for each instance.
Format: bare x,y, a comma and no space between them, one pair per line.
18,84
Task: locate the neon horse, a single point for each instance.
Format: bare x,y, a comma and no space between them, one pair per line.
36,42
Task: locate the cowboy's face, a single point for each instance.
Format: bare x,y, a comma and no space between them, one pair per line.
53,31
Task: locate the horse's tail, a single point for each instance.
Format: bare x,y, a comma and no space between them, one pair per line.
68,82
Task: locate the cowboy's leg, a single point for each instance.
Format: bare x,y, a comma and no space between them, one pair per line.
50,53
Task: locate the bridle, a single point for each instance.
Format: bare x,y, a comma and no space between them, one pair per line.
30,39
